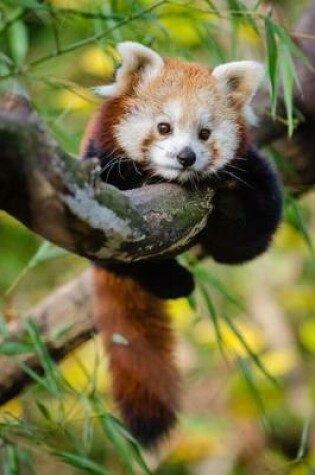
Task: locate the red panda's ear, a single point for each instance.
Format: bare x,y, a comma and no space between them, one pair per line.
139,64
240,81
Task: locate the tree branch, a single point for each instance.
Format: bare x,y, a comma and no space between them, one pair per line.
64,201
67,312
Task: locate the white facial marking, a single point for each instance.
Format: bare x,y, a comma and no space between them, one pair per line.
184,134
225,137
135,57
162,150
207,107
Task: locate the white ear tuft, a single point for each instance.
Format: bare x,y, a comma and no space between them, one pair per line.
135,56
240,81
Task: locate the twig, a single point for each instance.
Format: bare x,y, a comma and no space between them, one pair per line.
80,44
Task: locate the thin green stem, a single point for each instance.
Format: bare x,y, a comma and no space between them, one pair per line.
80,44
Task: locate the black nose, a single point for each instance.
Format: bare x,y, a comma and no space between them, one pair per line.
186,157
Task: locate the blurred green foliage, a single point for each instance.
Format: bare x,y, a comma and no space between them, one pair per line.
246,342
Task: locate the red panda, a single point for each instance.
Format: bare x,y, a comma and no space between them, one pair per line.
171,120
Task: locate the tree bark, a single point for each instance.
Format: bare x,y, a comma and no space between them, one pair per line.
64,320
64,201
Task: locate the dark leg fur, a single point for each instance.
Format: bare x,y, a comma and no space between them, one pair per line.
117,170
165,279
247,211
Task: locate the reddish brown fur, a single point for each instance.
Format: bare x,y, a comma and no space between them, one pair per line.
101,126
242,135
144,378
214,152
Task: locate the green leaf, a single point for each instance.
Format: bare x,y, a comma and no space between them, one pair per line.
213,7
88,425
18,41
15,348
294,48
81,462
203,275
296,219
43,355
33,375
46,252
4,332
133,444
26,462
209,41
240,12
43,410
287,75
11,463
249,378
119,444
282,162
24,3
272,53
304,439
250,352
125,444
213,315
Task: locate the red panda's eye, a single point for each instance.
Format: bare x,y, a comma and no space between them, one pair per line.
204,134
164,128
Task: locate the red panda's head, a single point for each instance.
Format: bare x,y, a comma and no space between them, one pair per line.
179,119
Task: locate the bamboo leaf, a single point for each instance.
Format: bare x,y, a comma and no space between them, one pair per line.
213,7
249,378
43,355
9,348
296,219
43,410
287,76
11,464
214,318
240,12
46,252
272,58
293,47
81,462
304,439
4,332
250,352
203,275
18,41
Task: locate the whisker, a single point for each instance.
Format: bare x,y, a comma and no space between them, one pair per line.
109,172
236,178
158,146
108,164
237,168
136,168
119,169
244,159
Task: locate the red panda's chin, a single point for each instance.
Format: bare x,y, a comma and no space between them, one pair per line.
175,174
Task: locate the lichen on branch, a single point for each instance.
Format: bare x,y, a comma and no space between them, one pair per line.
65,201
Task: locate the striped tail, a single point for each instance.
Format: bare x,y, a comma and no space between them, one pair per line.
140,343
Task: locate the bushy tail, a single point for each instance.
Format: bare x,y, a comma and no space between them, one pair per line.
139,341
